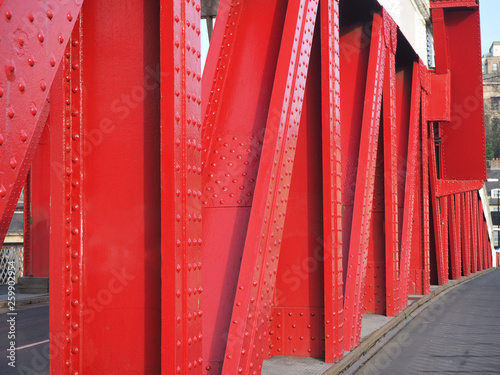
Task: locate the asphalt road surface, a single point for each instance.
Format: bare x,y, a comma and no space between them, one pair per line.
32,334
458,334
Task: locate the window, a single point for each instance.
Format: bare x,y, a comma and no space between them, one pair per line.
495,104
495,193
495,67
495,238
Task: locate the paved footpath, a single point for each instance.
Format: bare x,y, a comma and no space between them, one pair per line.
458,334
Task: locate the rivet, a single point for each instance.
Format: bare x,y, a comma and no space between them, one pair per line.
22,86
50,14
3,191
52,61
31,18
13,163
40,37
23,135
1,92
20,41
10,67
74,350
33,109
1,139
8,14
31,61
75,255
10,112
75,302
69,17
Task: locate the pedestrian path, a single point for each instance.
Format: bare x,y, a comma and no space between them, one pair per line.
459,333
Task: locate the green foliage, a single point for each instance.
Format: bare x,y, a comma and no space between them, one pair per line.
492,128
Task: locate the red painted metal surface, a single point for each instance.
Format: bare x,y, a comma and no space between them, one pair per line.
466,219
390,176
181,195
105,257
323,157
27,228
466,129
363,196
298,320
332,180
40,205
37,35
247,338
410,186
232,145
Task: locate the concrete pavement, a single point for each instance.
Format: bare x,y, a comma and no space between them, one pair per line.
458,333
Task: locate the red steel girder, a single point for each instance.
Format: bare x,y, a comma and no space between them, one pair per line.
35,36
27,228
452,187
40,205
426,230
66,287
332,174
410,186
467,242
455,250
232,144
473,229
391,169
181,196
105,242
300,283
454,29
247,338
363,200
454,4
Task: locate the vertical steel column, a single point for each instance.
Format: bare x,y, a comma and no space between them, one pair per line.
426,204
454,221
27,270
473,228
466,219
40,205
363,200
181,218
391,169
460,231
248,332
107,257
332,172
410,185
480,232
437,209
66,250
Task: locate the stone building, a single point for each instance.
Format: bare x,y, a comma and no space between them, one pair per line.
491,81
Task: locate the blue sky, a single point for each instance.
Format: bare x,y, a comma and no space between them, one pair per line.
490,23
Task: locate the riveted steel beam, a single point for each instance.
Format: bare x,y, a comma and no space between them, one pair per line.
248,332
232,144
363,199
37,34
332,172
181,196
391,169
410,185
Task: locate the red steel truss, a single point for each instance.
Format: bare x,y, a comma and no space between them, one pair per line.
202,222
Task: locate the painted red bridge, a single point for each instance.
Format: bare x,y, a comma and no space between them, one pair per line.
328,162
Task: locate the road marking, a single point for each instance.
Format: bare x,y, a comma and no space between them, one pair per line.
34,344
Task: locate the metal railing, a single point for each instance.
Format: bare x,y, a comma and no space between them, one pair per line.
11,254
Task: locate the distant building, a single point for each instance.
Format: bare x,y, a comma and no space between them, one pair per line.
491,81
493,190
